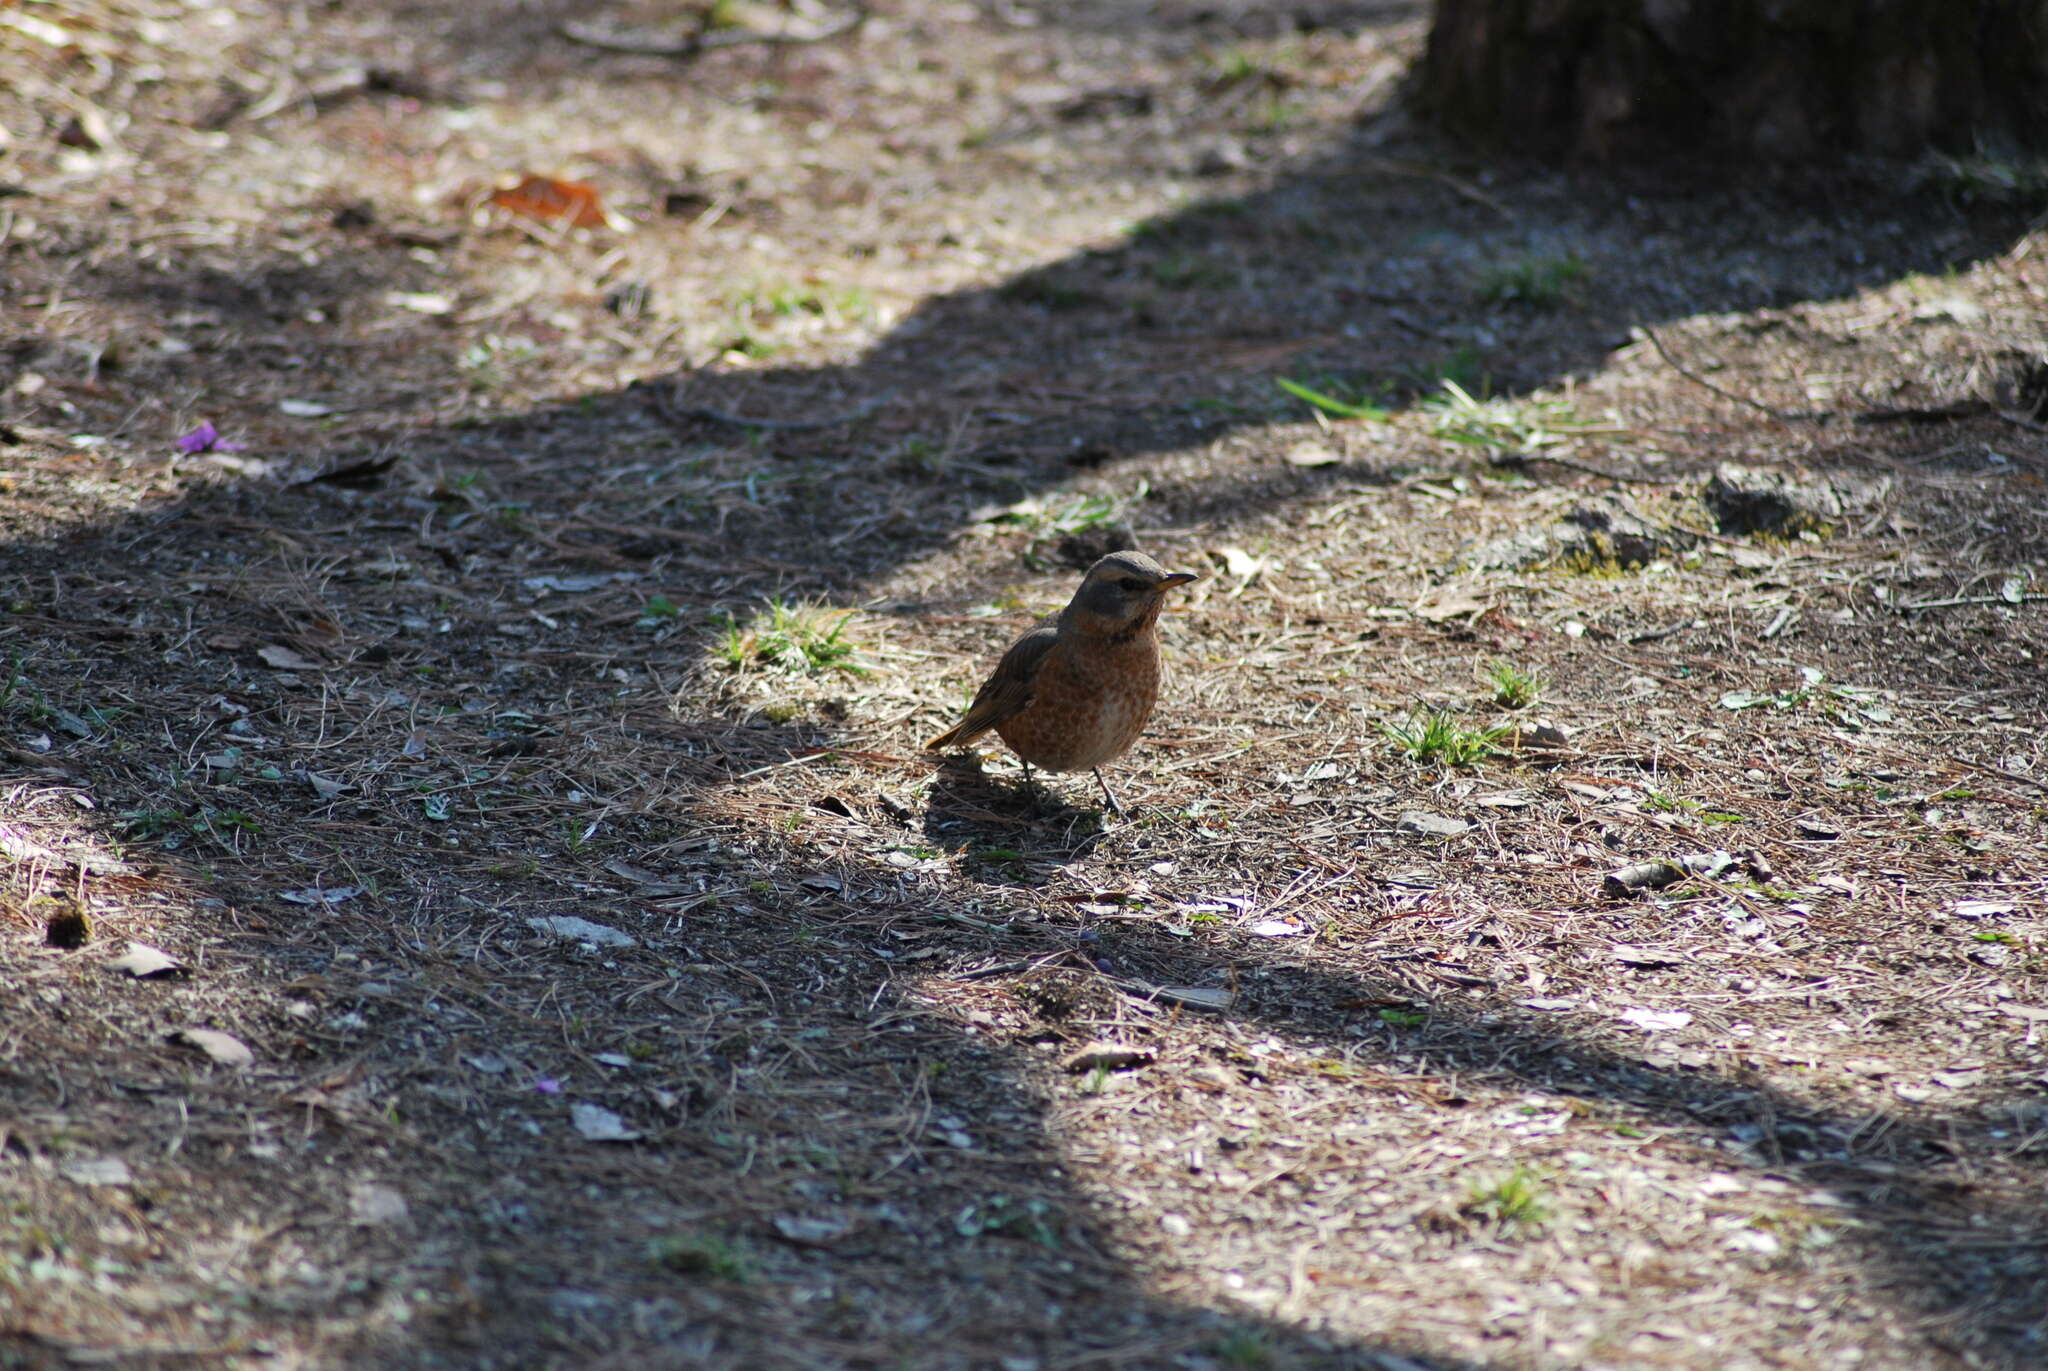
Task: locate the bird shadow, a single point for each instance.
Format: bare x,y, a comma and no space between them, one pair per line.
1014,831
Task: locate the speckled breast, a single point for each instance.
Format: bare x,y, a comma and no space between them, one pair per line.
1088,705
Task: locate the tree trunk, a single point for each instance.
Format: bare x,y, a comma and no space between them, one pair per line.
1787,79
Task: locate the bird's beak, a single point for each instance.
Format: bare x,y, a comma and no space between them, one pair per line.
1178,578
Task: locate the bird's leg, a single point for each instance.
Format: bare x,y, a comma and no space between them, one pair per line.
1115,807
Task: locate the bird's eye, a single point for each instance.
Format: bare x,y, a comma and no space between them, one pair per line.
1132,583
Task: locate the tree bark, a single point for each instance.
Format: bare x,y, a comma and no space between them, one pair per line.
1783,79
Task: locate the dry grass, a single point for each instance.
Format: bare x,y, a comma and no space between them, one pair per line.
517,630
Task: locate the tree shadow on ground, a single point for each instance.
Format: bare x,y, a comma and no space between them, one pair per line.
778,1026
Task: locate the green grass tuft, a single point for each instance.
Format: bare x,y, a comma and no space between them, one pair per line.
1435,736
1513,688
1500,425
810,639
1329,404
1511,1201
1540,282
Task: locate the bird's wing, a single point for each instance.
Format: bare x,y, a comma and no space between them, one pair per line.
1006,692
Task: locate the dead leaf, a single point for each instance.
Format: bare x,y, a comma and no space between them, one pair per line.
363,473
321,895
282,658
1311,455
554,202
224,1048
1274,928
1430,825
1238,563
304,409
1645,957
144,963
326,787
595,1123
1619,885
581,930
419,302
1450,602
807,1232
1656,1020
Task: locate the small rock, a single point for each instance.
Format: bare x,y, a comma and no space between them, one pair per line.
1108,1057
1745,499
375,1206
1084,548
97,1171
1607,531
1222,157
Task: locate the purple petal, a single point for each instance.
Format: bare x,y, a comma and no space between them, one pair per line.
206,438
548,1085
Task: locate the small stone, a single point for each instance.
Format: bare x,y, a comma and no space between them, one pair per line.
1108,1057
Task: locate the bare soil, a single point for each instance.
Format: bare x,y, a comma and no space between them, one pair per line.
515,591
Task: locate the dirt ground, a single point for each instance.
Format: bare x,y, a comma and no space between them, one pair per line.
489,658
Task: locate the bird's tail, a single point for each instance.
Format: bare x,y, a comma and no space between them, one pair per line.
956,736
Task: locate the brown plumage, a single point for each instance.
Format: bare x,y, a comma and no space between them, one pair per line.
1076,691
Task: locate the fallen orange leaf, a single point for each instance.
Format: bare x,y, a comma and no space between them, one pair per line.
552,201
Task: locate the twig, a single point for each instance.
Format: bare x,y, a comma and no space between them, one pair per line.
690,44
1961,409
2013,776
1395,167
1783,416
798,759
1972,600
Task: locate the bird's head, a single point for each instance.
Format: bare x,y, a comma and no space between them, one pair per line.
1123,591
